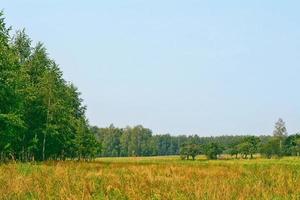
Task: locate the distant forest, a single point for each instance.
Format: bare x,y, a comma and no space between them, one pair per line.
42,118
139,141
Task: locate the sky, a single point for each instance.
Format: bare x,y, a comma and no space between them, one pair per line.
178,67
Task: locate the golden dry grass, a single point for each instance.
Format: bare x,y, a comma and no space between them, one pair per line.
153,178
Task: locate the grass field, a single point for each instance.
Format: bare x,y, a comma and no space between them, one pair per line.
153,178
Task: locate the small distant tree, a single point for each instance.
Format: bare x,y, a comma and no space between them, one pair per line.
233,151
292,145
249,146
271,148
280,130
213,150
244,149
189,150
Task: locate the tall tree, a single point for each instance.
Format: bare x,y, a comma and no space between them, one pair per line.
41,115
280,132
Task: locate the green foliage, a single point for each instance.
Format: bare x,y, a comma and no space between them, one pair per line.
292,145
41,115
249,146
271,148
212,150
233,151
139,141
189,150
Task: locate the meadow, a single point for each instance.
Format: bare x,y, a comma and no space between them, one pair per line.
153,178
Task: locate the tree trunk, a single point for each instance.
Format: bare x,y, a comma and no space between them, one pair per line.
44,144
47,122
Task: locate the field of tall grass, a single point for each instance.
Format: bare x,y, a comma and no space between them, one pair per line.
152,178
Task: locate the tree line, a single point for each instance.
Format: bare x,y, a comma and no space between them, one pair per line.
139,141
278,145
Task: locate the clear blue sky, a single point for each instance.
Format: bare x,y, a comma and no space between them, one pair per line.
179,67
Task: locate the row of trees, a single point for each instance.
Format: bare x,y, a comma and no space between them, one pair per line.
136,141
41,115
279,144
139,141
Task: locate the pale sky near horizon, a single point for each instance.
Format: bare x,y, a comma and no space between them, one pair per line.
179,67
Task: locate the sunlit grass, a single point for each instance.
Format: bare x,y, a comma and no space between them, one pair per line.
153,178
